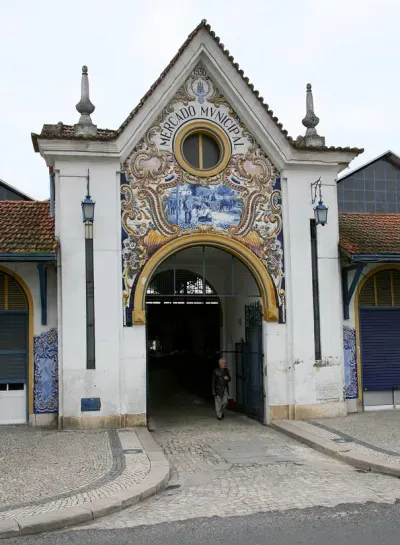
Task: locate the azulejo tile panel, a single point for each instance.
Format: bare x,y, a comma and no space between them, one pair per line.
350,362
162,200
45,348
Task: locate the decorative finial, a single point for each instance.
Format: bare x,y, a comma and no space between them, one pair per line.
85,126
310,121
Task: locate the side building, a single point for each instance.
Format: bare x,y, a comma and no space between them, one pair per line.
369,222
28,310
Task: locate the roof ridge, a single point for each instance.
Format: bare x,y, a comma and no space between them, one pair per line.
369,214
25,203
51,130
203,24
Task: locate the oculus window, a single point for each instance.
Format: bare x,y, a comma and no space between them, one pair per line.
202,148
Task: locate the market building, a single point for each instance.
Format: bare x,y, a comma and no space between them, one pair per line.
204,235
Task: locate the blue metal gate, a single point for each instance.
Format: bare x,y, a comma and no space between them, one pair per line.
250,397
380,348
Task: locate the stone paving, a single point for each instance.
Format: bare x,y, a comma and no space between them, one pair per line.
237,466
379,429
42,471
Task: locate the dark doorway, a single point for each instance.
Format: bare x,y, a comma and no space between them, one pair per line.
184,323
200,303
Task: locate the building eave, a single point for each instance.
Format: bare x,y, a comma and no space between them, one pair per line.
28,257
375,258
387,153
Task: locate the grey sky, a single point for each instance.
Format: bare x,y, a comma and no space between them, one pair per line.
348,50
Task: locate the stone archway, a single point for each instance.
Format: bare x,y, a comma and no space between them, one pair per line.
246,256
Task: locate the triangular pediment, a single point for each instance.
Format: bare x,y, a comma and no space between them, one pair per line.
202,65
197,106
204,48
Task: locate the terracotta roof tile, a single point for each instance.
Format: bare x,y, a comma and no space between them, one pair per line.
375,234
66,132
26,228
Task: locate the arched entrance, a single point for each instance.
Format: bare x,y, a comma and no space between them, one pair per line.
240,251
203,303
378,338
16,349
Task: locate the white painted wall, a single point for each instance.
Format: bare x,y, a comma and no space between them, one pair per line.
104,381
305,378
120,375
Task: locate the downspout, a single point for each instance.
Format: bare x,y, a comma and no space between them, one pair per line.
53,182
60,338
52,191
291,387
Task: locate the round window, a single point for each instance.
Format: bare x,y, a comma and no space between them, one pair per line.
202,149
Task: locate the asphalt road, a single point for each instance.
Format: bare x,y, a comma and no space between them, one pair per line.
367,524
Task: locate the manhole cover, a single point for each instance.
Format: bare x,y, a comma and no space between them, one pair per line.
133,451
342,440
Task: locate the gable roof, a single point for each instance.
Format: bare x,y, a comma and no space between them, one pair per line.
392,157
26,228
66,132
369,234
13,189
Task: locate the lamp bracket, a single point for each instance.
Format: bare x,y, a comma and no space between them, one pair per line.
316,188
88,183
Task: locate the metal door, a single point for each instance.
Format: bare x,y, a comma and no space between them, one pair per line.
253,362
249,365
13,367
380,348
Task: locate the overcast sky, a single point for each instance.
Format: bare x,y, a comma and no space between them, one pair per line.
348,50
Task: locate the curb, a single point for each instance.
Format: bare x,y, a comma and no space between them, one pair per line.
154,481
340,452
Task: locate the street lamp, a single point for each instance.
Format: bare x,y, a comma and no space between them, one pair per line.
88,219
320,211
321,214
88,209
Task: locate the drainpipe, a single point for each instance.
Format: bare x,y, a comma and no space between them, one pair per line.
291,387
52,192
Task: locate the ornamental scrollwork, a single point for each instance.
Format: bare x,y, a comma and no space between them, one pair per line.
161,201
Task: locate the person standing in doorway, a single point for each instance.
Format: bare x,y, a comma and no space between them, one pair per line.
220,388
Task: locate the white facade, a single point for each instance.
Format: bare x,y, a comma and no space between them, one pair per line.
296,385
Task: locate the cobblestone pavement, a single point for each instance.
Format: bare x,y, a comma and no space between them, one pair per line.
378,429
237,466
323,428
42,471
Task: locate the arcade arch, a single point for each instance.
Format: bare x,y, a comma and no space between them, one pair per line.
203,303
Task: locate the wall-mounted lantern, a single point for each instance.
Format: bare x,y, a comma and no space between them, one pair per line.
88,209
320,211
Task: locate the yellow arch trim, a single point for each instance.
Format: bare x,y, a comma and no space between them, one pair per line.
29,298
237,249
360,286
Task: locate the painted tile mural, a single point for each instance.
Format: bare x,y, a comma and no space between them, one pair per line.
45,347
350,362
162,200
